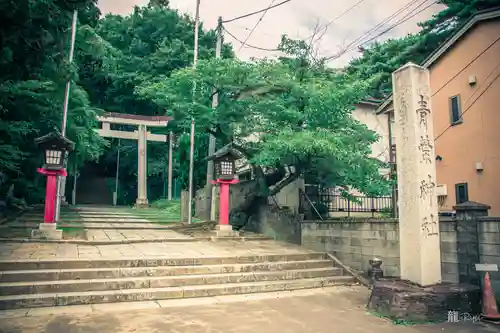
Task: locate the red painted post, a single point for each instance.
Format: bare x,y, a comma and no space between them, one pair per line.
50,199
224,199
224,204
50,192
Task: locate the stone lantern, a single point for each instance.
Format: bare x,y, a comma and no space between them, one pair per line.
54,147
225,174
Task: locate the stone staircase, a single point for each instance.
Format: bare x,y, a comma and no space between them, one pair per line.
41,283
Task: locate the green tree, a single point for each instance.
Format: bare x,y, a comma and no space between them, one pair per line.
379,59
153,41
33,55
289,118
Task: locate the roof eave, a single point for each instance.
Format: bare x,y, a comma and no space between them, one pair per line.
478,17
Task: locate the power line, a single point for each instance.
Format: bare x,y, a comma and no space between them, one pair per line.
325,27
387,19
257,12
467,66
256,24
248,45
474,102
408,16
402,20
260,32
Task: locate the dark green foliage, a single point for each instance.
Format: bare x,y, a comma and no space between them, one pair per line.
125,64
379,60
33,57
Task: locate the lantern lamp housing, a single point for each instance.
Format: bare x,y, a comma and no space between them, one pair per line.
224,162
54,147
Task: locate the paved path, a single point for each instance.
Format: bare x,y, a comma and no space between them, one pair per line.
332,310
16,251
124,235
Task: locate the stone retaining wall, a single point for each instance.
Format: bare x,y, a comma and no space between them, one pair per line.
355,241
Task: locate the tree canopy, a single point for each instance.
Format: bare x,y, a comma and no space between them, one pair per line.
289,116
279,114
379,59
32,80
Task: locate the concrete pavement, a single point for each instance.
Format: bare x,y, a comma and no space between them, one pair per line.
329,310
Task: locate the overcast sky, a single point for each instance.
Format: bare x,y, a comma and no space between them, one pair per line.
297,19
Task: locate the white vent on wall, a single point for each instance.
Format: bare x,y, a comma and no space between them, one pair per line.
472,80
441,190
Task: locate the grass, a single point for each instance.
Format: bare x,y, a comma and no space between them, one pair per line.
162,211
68,233
73,233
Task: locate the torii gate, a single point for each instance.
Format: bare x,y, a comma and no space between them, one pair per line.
142,136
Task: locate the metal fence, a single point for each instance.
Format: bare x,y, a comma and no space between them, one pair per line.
326,202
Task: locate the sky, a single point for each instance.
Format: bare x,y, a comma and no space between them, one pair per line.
298,19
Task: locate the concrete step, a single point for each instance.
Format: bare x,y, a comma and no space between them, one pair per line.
121,221
81,218
148,294
33,264
44,287
96,225
160,271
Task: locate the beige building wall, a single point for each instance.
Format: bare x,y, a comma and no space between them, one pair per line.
477,138
365,113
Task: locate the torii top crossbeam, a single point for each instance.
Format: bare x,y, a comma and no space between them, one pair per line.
132,119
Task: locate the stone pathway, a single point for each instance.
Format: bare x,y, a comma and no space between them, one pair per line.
329,310
20,251
123,235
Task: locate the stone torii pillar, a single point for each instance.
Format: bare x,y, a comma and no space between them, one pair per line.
142,136
416,171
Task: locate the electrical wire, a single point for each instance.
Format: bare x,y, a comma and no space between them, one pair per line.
408,16
256,25
257,12
260,32
467,66
325,27
402,20
474,102
248,45
380,24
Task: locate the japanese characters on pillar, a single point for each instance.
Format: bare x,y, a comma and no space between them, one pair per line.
418,208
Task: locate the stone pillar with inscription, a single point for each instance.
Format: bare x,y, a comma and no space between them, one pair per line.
416,172
418,295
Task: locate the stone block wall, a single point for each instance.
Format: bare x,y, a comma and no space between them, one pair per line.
489,247
282,224
355,241
288,197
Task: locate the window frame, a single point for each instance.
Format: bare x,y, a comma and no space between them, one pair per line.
450,107
466,187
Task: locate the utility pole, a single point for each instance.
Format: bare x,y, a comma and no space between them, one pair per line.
170,148
61,184
212,142
191,148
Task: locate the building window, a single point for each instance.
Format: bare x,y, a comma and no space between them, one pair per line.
455,110
462,193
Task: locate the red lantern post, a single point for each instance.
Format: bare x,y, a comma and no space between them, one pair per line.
50,192
54,146
224,162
